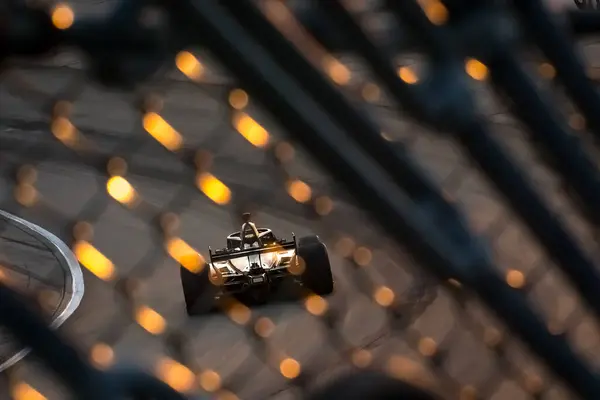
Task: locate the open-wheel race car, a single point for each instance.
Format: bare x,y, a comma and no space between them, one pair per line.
253,264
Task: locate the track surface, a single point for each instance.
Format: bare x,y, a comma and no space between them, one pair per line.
108,120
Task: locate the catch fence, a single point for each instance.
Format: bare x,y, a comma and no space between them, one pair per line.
453,178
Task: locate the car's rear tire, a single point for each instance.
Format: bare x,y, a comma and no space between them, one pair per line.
316,275
198,291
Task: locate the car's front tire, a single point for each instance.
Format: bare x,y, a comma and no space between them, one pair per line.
316,274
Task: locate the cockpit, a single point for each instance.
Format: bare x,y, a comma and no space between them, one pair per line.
266,236
249,236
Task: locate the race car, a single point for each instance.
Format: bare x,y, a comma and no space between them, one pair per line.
253,264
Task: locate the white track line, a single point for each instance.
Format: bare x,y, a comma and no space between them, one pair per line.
77,286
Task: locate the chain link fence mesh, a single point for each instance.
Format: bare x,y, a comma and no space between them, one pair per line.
133,181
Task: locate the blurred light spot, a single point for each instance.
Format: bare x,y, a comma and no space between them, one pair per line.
476,69
337,71
22,391
276,11
26,194
102,355
62,16
345,247
64,131
299,191
27,174
121,190
593,73
264,327
454,283
116,166
406,369
407,75
160,130
316,305
577,122
515,279
238,99
94,260
547,71
585,335
176,375
185,255
384,296
534,383
371,92
435,11
492,337
284,152
189,65
210,381
239,313
323,205
556,328
386,136
362,256
468,393
289,368
427,346
150,320
362,358
213,188
251,130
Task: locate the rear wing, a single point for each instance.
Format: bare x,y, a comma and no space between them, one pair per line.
226,254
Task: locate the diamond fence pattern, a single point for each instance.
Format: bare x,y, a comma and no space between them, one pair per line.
140,182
